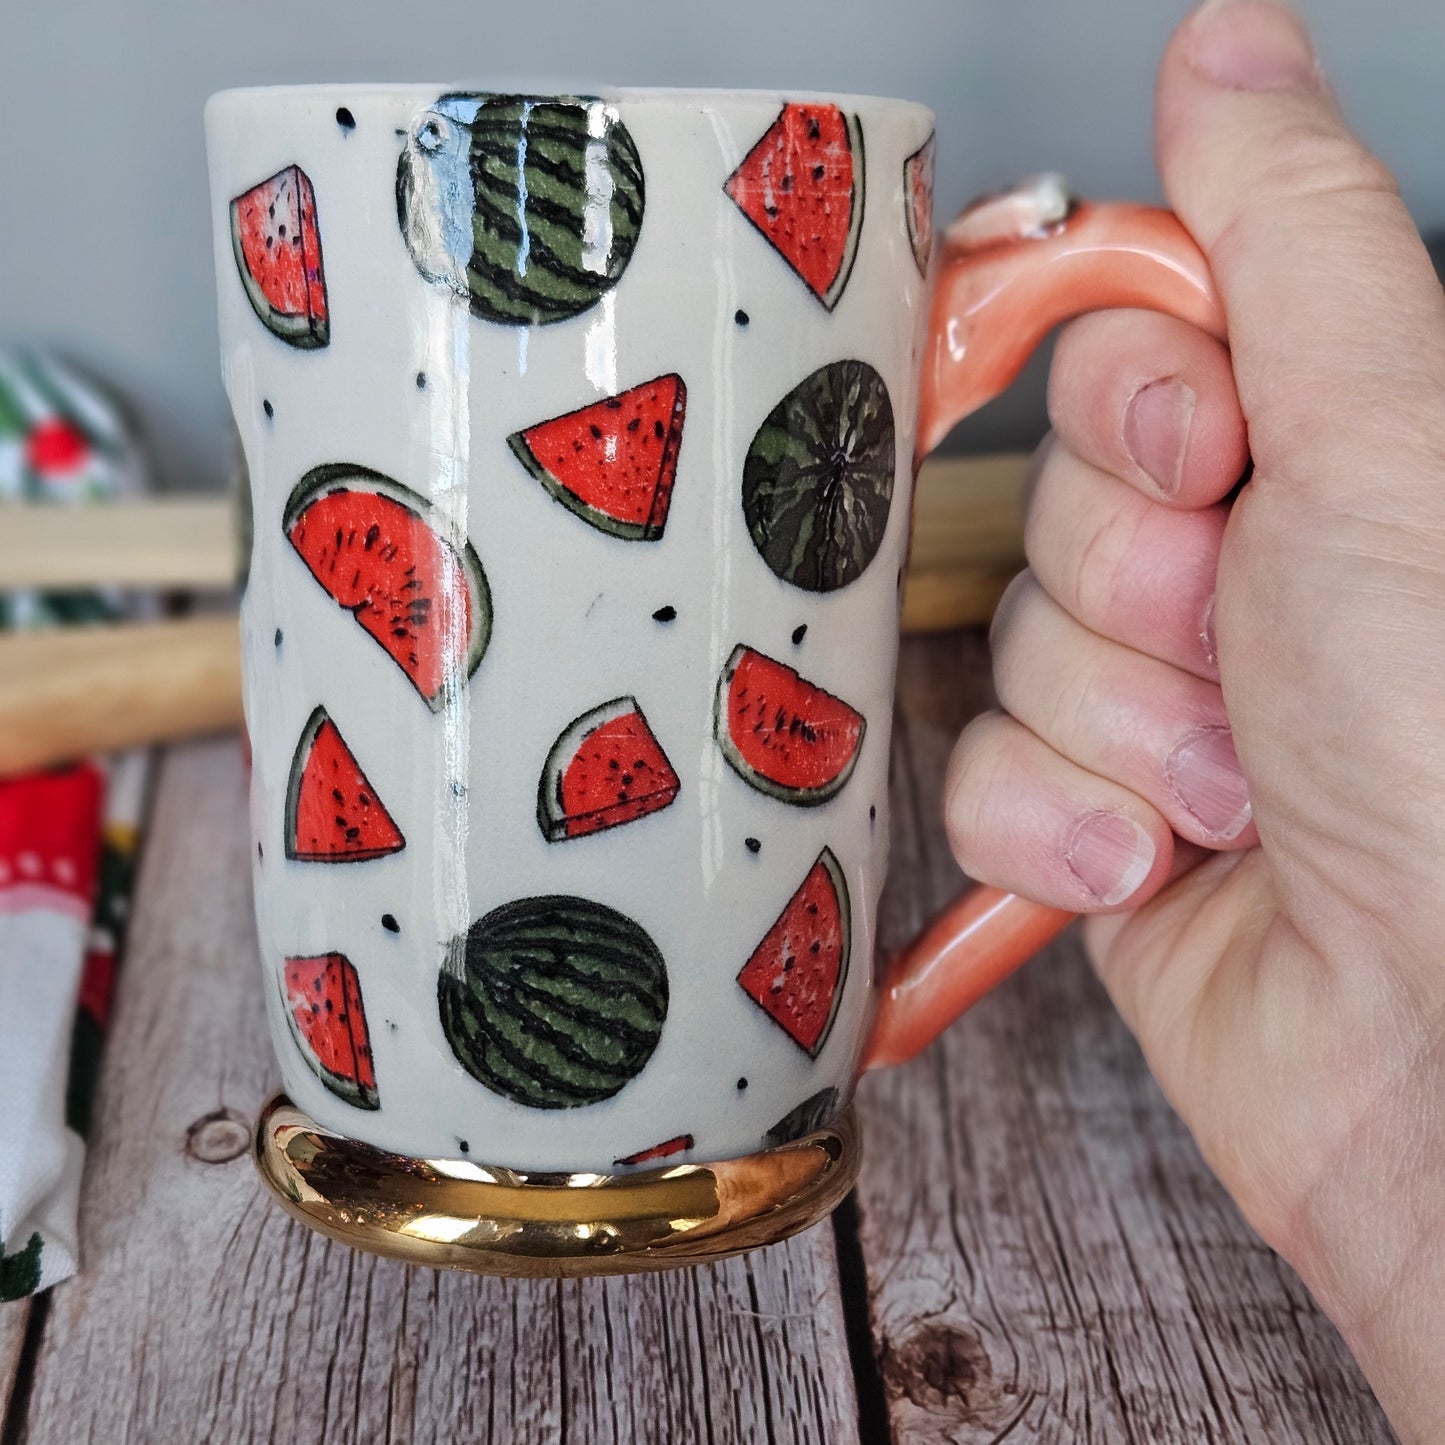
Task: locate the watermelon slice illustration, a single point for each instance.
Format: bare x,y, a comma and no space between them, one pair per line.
328,1022
665,1150
801,185
606,769
278,252
918,201
784,735
332,812
796,974
373,545
612,463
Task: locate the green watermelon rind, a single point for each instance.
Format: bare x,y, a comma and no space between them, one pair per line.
519,1053
303,332
350,476
722,731
839,283
351,1091
648,531
551,818
290,834
834,870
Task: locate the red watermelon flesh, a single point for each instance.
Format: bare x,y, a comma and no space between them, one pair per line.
328,1022
801,185
782,734
612,463
680,1145
796,974
369,542
332,812
278,252
606,769
918,202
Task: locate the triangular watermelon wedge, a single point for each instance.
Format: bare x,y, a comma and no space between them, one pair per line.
323,1006
918,202
379,551
332,812
277,245
796,974
801,185
606,769
613,462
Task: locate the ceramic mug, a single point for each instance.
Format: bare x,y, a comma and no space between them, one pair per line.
581,436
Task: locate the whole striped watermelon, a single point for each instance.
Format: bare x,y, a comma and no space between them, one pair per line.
553,1002
818,478
528,208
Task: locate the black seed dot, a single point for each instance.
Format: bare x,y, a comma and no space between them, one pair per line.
390,924
872,813
741,317
459,790
344,118
799,633
742,1083
421,381
260,851
464,1146
278,637
391,1025
268,409
752,845
664,614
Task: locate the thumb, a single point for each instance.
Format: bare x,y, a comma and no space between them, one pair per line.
1336,320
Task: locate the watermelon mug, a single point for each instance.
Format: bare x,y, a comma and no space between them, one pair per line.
581,435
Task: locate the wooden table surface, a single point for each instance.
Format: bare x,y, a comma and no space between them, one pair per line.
1035,1251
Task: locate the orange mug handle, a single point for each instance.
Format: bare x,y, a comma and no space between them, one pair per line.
1011,268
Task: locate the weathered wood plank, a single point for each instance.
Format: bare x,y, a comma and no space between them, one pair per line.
204,1314
14,1319
1047,1256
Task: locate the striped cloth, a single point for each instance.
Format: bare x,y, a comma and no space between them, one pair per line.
67,849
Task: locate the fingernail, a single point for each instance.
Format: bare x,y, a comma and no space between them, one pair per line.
1203,772
1206,635
1156,430
1252,45
1110,854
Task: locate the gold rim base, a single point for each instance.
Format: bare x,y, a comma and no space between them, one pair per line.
454,1214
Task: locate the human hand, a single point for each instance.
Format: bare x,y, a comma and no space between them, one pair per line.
1258,686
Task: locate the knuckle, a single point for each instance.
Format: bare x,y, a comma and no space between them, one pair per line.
977,771
1097,574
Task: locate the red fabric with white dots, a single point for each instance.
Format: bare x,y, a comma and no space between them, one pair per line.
50,826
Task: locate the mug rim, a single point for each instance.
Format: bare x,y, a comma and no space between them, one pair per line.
688,97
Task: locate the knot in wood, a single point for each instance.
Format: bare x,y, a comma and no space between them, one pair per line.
935,1365
218,1137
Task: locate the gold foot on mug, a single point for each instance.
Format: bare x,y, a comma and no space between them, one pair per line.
456,1214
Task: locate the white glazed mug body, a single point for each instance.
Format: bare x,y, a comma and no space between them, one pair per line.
534,972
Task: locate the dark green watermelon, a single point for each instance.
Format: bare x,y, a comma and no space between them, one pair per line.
818,479
553,1002
529,208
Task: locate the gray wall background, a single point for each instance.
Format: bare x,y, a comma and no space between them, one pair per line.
104,248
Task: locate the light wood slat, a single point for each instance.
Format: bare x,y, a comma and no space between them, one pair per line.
161,542
77,690
202,1313
968,542
1048,1258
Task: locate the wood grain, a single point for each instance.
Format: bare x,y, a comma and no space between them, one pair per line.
202,1313
1047,1256
105,688
14,1320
